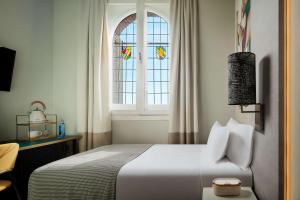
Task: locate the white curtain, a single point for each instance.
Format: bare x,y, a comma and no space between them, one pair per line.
93,116
184,18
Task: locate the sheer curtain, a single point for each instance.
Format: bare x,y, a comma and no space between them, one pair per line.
93,115
184,18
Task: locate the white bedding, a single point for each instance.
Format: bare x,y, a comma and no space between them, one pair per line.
175,172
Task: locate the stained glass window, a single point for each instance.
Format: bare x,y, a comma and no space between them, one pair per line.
158,48
124,62
157,65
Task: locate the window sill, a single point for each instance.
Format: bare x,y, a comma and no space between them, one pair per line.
147,116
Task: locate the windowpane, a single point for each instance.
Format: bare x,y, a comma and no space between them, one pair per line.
156,28
164,38
164,64
130,38
164,87
129,74
150,27
150,87
150,75
165,99
156,38
157,99
157,87
129,87
122,37
150,18
158,59
150,63
130,29
156,63
130,64
150,38
133,54
156,18
150,98
128,98
124,64
164,75
157,74
164,28
150,52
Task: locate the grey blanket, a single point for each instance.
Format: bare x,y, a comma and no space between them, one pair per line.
89,175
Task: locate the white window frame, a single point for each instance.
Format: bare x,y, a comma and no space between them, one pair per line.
141,110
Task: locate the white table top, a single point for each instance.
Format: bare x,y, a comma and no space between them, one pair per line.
246,194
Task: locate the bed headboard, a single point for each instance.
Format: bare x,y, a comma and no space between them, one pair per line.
267,156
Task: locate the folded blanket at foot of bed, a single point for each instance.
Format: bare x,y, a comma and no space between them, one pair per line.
89,175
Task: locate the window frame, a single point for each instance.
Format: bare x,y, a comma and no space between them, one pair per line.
154,107
141,110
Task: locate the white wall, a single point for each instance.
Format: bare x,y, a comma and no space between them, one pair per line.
65,60
45,35
217,20
26,26
140,132
295,83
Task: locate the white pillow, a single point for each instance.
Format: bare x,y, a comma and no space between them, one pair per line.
232,121
240,143
217,142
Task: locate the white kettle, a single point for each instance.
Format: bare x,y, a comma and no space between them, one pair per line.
37,113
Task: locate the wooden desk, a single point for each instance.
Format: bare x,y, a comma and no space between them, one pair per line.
25,145
34,154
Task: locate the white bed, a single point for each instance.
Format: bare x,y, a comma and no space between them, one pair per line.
145,172
133,172
177,172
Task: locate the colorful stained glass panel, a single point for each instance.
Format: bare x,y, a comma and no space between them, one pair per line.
126,53
160,53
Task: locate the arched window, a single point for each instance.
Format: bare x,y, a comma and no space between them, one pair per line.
153,62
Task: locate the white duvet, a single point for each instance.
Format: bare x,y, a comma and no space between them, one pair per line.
175,172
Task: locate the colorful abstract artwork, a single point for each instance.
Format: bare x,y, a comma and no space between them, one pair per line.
126,53
160,53
243,26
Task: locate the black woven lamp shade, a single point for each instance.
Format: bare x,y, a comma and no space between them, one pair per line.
241,80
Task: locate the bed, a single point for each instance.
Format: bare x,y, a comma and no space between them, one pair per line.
133,172
177,172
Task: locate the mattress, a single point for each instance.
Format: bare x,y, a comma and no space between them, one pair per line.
177,172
